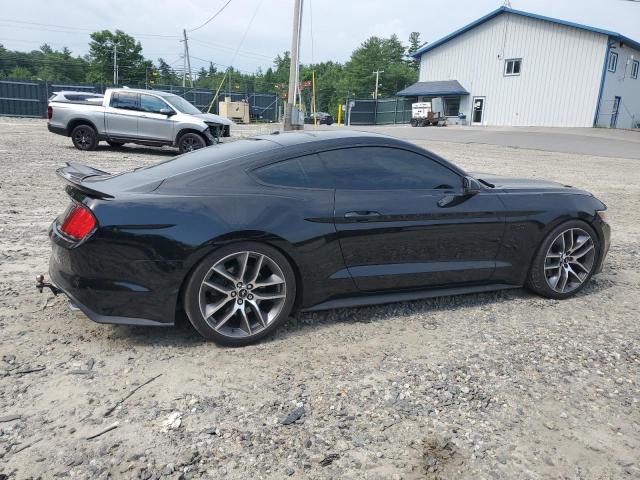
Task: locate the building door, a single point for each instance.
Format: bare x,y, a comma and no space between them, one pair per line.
614,112
477,110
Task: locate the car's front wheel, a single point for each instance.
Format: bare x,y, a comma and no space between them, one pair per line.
240,293
84,137
565,261
190,142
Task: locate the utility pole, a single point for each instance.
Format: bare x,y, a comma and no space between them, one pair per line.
377,74
186,61
115,64
293,68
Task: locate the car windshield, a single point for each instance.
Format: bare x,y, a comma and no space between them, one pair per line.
181,104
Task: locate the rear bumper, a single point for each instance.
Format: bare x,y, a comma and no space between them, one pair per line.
108,288
98,318
57,130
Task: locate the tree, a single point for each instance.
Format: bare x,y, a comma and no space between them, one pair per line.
166,74
376,53
132,66
43,64
19,73
414,45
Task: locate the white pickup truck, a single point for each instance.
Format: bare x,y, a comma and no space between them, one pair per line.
123,115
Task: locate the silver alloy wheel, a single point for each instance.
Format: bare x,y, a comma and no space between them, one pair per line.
569,260
190,143
242,294
83,136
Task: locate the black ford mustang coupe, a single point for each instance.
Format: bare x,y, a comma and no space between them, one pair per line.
239,235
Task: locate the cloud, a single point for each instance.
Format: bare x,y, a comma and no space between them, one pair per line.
339,26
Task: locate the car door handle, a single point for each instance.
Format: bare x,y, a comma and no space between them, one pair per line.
361,216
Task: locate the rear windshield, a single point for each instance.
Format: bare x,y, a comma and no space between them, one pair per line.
213,155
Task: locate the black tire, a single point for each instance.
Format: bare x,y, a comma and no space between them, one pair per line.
191,298
537,281
191,141
413,122
328,122
115,144
84,137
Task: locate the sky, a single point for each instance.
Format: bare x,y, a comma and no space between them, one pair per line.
248,34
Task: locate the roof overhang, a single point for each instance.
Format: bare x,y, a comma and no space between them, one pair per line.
615,35
440,88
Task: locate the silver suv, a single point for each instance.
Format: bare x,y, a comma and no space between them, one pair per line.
145,117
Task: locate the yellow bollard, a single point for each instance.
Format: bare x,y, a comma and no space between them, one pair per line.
339,114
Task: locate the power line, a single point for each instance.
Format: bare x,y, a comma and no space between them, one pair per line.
244,53
78,29
244,36
214,16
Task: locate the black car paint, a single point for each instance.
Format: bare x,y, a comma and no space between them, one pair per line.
162,221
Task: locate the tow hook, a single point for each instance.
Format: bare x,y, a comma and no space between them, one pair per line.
40,284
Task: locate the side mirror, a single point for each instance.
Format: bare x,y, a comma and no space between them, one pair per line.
471,186
167,111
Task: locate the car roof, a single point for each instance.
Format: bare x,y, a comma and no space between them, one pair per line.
288,139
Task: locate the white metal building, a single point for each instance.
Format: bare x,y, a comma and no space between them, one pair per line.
516,68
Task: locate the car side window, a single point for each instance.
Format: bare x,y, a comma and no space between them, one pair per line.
151,104
124,100
386,168
305,171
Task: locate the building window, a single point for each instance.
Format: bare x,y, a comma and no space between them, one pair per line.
452,107
613,61
634,69
512,66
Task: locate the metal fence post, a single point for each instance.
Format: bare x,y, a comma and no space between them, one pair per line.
395,112
45,98
375,112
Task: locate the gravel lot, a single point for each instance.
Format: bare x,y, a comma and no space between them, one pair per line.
500,385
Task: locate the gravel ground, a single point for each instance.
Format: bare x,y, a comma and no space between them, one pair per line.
498,385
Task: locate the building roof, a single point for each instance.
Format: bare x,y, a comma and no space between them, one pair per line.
439,88
495,13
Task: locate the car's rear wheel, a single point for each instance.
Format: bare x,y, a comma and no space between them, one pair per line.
84,137
115,144
565,261
240,293
190,142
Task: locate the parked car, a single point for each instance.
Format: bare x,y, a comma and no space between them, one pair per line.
323,118
239,235
122,115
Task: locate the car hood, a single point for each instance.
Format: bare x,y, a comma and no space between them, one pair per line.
526,184
213,118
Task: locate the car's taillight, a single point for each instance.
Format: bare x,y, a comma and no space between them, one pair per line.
49,112
78,222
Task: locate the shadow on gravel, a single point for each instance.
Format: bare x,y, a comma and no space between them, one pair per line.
421,307
137,149
181,335
184,335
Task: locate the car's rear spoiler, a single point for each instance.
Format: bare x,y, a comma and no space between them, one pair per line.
82,177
